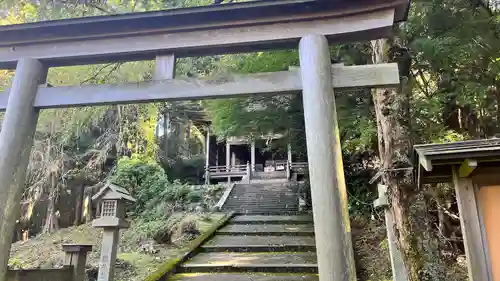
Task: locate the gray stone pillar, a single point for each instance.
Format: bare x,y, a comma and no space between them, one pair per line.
107,260
252,155
76,256
228,160
207,157
289,161
16,140
289,153
399,272
319,117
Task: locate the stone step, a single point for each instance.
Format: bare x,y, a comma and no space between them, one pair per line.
269,199
247,204
241,259
262,211
267,229
261,204
258,248
266,200
244,277
249,194
275,268
266,206
268,213
262,241
262,219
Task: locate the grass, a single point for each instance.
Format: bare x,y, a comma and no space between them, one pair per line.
44,251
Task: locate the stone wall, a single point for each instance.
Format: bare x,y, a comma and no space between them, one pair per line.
61,274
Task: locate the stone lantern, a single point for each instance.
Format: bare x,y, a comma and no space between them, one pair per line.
111,200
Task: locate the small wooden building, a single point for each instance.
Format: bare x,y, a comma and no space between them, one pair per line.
474,169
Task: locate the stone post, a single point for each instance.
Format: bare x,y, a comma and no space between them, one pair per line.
107,259
399,272
16,140
228,161
249,172
252,155
76,257
320,120
289,161
207,157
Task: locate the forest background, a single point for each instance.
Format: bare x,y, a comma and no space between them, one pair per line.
449,57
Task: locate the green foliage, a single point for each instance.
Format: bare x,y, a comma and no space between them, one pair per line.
15,264
142,177
194,196
188,170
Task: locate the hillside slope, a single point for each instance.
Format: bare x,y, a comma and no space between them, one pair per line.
138,255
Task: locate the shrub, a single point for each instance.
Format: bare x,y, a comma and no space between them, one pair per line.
187,170
142,177
194,196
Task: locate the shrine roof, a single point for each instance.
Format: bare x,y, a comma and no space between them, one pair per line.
434,161
15,38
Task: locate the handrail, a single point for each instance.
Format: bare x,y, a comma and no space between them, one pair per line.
244,171
299,164
225,169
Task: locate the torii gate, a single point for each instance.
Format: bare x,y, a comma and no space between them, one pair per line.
32,48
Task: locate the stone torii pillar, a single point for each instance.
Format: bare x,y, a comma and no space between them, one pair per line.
16,140
324,159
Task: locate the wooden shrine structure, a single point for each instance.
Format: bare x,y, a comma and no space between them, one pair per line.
473,167
31,49
234,168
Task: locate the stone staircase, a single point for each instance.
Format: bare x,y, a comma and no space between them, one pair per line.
256,248
275,196
269,175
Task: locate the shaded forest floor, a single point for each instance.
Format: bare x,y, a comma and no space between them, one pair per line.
137,258
371,252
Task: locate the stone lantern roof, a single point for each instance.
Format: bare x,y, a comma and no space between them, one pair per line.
111,200
112,191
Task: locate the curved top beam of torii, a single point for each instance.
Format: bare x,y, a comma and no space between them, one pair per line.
217,29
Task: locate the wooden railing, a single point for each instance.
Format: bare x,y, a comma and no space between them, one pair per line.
245,171
217,172
300,167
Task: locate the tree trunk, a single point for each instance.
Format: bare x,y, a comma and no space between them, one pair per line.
166,129
391,107
79,204
51,221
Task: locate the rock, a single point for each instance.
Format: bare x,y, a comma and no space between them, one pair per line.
121,264
199,209
192,206
92,273
147,248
